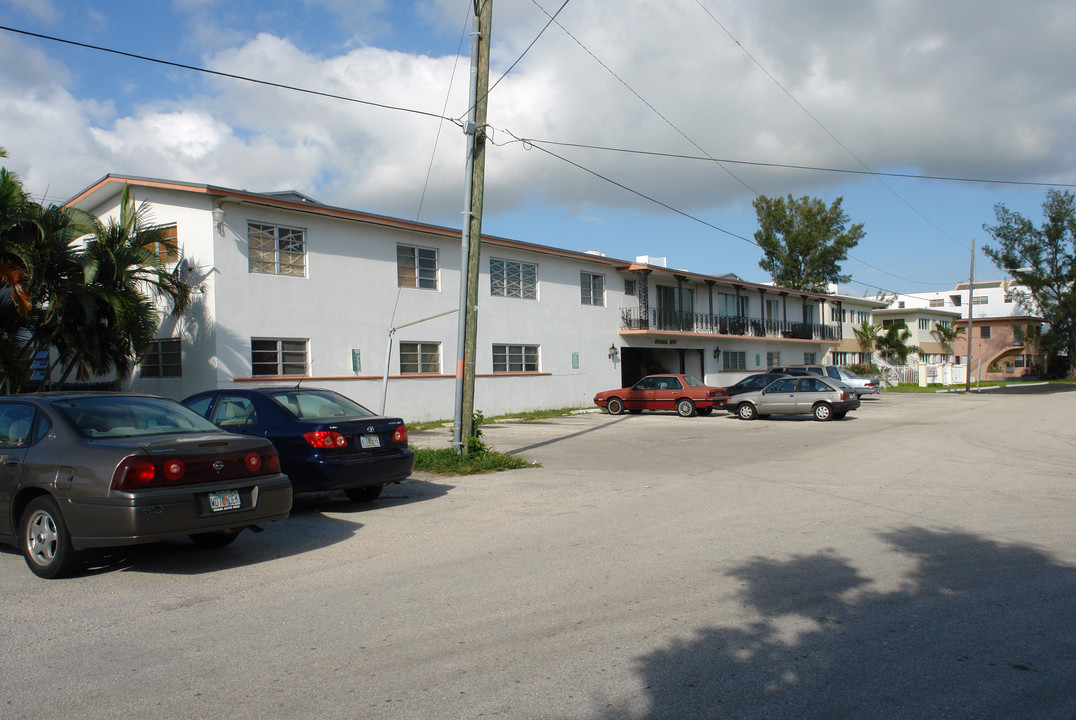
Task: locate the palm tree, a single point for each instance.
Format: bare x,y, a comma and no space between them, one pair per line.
111,326
946,334
867,337
894,343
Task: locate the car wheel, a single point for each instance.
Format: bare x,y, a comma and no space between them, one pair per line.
704,411
363,494
214,539
615,406
685,408
46,542
823,412
746,411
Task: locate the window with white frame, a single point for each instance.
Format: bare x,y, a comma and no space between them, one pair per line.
277,250
420,357
164,358
416,267
810,358
515,358
629,287
924,323
980,300
734,360
278,356
511,279
773,310
592,288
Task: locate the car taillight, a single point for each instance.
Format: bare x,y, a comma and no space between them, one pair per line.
141,472
325,439
174,469
400,436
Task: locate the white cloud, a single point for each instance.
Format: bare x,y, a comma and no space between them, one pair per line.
958,88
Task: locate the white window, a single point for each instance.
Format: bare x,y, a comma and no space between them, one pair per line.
810,358
277,356
515,358
629,287
416,267
513,279
734,360
924,323
980,300
164,358
277,250
592,288
773,310
420,357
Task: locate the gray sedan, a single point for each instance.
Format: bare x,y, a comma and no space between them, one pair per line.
80,471
824,398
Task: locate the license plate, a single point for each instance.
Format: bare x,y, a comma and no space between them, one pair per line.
224,500
369,441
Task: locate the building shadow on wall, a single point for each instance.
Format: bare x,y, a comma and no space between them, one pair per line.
977,629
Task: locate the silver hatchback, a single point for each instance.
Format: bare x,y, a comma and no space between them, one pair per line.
821,397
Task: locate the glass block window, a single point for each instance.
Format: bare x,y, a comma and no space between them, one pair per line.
271,356
515,358
416,267
277,250
513,279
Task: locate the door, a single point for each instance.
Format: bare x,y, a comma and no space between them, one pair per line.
780,397
16,421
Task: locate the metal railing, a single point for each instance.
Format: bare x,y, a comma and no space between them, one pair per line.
707,324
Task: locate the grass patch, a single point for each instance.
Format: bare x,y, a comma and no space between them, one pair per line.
525,415
445,461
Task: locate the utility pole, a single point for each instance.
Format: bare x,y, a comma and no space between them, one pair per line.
471,250
971,300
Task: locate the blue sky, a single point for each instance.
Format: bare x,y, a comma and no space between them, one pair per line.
966,89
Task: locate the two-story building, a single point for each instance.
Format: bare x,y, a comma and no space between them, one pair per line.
288,289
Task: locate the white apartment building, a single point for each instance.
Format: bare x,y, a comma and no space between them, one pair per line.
290,290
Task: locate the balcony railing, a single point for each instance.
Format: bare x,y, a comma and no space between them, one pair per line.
706,324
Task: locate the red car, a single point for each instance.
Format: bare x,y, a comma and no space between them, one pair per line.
685,394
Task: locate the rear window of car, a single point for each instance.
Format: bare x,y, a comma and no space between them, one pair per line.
124,416
318,404
693,381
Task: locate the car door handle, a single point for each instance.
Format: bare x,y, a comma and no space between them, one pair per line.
11,462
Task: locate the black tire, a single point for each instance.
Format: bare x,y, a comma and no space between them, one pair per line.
363,494
823,412
615,406
45,540
746,411
704,411
685,407
214,539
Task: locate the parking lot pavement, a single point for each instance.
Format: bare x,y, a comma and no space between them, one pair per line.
915,560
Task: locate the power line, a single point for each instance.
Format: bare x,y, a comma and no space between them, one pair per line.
789,166
231,76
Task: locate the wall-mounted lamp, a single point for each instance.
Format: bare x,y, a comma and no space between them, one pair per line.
717,353
612,352
218,220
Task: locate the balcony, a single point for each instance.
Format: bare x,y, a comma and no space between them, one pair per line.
731,325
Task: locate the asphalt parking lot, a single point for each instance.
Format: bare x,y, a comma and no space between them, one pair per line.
914,560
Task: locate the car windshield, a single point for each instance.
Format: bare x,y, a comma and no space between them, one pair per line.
693,381
127,416
318,404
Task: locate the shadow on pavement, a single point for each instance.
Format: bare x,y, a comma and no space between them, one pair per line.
978,629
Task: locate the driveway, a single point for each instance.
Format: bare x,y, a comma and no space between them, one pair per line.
915,560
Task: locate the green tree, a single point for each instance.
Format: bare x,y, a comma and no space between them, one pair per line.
803,242
867,336
946,334
1041,259
893,343
111,326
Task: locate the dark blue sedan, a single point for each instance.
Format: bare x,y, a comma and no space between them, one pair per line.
325,440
